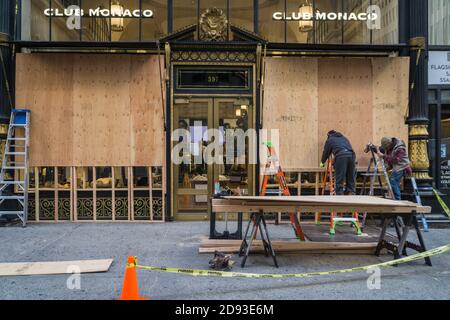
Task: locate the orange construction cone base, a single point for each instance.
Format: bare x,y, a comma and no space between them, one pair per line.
130,289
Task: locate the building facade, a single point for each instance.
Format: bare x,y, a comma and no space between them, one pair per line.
110,82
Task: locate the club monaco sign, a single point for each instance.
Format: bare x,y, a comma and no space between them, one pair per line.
372,16
75,11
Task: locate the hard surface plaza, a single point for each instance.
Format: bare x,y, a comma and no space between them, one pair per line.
316,115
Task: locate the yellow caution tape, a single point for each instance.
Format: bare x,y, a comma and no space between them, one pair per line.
441,201
212,273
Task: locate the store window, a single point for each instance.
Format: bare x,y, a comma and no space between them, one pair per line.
388,31
439,22
328,32
55,20
445,147
155,28
274,31
184,13
241,13
97,29
35,25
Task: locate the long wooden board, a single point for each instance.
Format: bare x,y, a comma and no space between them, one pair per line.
54,267
316,204
232,246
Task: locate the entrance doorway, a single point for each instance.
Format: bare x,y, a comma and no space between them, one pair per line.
194,179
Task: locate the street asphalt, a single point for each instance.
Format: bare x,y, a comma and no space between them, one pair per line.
176,244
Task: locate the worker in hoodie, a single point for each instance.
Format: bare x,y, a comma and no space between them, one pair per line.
395,154
344,163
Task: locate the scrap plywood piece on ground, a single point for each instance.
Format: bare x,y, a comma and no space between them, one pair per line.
364,98
92,109
290,105
54,267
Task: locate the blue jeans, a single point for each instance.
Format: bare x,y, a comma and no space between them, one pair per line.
395,179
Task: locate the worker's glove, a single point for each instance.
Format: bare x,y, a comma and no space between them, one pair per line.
322,165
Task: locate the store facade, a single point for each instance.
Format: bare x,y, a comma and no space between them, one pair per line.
108,93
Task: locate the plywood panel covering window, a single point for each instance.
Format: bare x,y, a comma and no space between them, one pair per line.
304,98
92,110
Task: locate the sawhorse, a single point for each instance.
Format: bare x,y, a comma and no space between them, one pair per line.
257,221
409,221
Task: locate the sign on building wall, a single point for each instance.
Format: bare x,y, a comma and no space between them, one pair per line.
439,68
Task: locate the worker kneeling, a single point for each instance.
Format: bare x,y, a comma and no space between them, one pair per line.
395,154
344,163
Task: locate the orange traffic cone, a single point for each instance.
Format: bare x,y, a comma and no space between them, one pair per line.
130,290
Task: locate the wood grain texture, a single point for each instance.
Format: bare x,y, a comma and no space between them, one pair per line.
345,102
92,109
390,99
54,267
290,105
364,98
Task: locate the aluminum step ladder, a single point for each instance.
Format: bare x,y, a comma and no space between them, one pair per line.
374,175
14,172
419,202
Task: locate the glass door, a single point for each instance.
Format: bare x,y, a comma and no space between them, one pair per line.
192,177
210,146
233,118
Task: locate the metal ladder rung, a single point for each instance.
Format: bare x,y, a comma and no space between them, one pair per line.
17,139
15,153
14,168
11,182
11,197
11,212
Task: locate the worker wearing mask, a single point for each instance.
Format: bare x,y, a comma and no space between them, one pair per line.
395,154
344,163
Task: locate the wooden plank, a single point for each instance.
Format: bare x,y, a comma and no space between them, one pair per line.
351,95
44,85
297,245
331,200
290,102
345,102
54,267
316,204
390,96
260,249
146,116
92,109
232,246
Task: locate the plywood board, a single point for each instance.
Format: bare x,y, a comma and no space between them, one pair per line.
290,106
345,102
92,109
146,113
364,98
54,267
390,98
46,89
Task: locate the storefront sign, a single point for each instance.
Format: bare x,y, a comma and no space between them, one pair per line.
75,11
225,79
325,16
439,68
